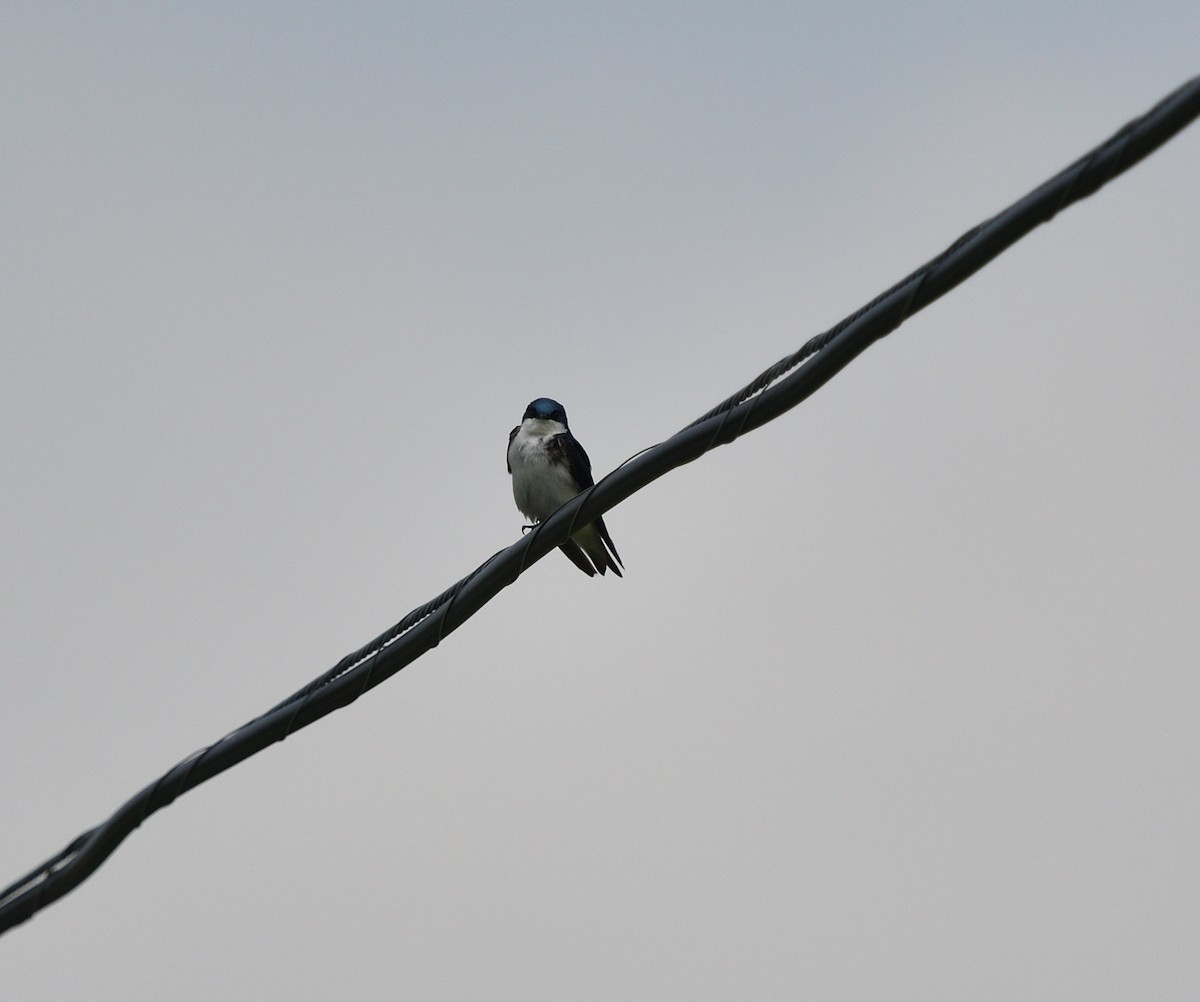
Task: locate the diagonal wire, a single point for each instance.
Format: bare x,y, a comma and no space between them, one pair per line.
772,393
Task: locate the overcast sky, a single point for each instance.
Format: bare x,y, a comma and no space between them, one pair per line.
898,696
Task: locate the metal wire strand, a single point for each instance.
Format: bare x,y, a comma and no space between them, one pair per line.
772,393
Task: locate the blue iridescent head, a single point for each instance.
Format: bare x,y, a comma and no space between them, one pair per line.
547,410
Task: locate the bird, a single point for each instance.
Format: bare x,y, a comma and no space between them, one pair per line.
549,467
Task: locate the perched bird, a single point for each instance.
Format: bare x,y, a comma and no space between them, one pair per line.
549,467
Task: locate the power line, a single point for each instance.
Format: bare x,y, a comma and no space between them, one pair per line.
770,394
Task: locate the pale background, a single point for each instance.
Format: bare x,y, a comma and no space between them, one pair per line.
898,698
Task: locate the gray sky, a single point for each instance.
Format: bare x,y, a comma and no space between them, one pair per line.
898,697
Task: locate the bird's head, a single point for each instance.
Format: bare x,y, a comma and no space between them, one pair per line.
546,409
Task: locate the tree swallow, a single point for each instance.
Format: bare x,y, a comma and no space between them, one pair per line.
549,467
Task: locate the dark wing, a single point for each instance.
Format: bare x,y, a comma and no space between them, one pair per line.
565,447
511,435
607,540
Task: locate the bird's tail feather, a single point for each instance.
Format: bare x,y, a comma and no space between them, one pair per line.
578,557
596,545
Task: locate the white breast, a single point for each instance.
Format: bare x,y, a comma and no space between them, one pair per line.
539,485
